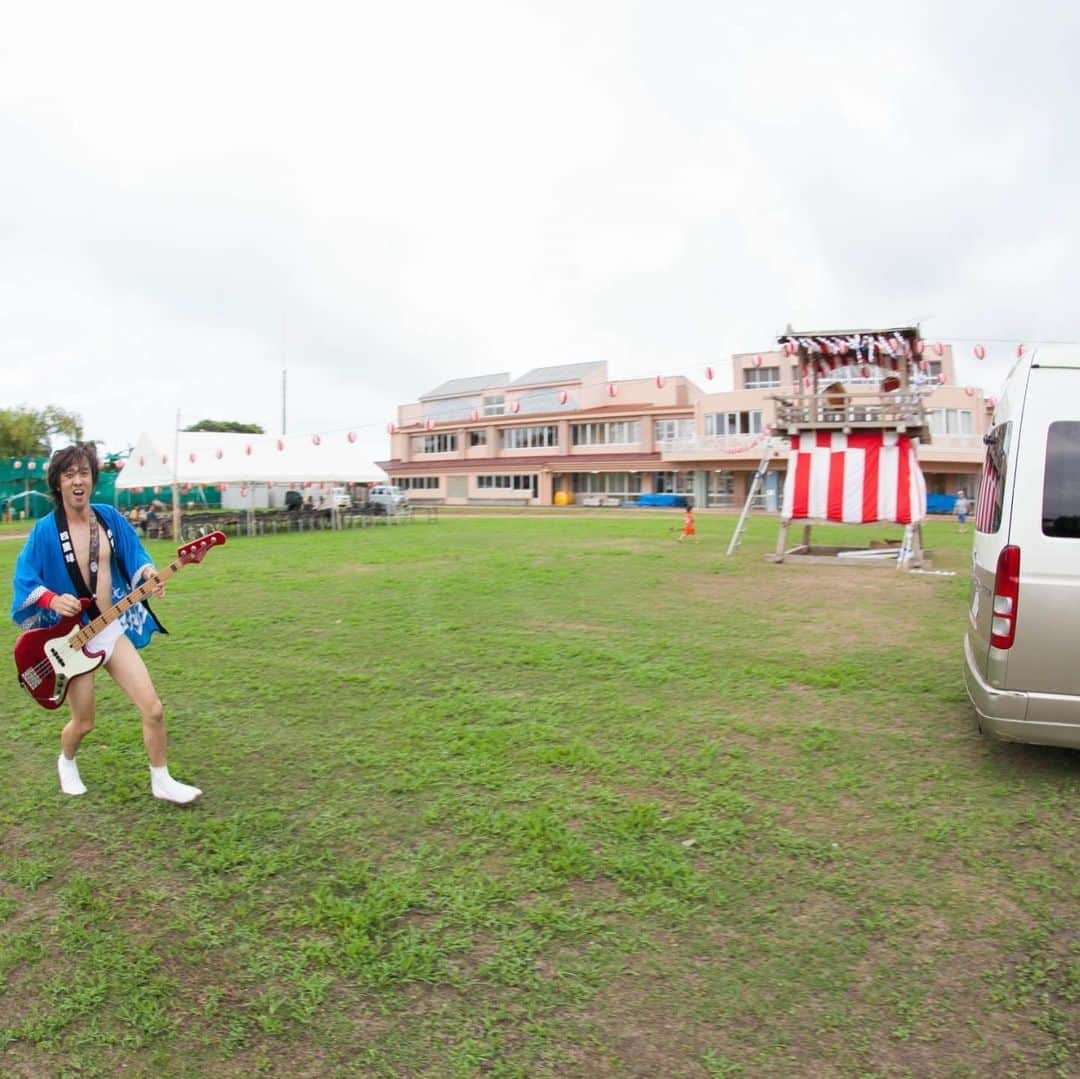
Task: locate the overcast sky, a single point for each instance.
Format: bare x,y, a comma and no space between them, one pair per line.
382,196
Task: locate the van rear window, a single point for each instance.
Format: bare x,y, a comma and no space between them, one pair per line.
1061,482
992,487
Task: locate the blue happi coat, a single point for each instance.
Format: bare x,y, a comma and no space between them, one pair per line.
41,567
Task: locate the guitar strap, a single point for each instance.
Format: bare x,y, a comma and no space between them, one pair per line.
82,588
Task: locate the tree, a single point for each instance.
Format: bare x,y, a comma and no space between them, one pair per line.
26,432
229,426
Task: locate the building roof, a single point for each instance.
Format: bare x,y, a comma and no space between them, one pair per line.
567,372
459,387
883,331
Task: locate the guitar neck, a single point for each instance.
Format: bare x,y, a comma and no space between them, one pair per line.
147,588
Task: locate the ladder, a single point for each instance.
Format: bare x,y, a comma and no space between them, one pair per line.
755,486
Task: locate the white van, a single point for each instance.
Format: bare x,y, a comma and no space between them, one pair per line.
1022,665
387,498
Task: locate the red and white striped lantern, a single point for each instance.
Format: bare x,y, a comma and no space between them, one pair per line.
218,454
269,486
939,349
757,361
142,462
281,443
991,403
842,348
516,406
611,389
157,490
865,372
941,379
119,465
351,436
659,382
709,373
564,396
18,464
164,458
191,457
980,352
429,423
316,440
1019,352
390,428
474,415
248,449
918,346
970,391
924,366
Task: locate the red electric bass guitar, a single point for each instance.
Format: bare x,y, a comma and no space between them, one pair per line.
48,659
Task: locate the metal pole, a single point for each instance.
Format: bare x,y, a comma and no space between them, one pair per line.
175,483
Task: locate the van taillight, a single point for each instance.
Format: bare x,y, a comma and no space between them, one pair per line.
1006,598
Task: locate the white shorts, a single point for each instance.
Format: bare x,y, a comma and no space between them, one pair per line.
106,640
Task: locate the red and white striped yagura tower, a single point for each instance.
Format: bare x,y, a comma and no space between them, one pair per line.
854,419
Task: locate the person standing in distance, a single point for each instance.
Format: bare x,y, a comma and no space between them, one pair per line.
84,550
961,507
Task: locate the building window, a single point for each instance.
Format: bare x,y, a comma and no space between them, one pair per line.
530,438
435,444
673,483
674,430
526,483
494,406
621,484
950,421
722,424
621,433
478,438
417,483
760,378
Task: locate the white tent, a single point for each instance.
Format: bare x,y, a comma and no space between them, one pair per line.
206,457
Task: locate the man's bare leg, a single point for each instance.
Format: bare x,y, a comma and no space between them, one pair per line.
130,674
80,699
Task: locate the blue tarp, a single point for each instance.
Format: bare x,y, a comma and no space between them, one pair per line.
662,500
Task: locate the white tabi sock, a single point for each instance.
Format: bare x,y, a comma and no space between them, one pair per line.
70,781
162,785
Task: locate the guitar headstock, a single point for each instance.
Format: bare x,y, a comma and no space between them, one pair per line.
195,551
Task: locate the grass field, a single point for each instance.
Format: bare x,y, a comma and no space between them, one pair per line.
543,797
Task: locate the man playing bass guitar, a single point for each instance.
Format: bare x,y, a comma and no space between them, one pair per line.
83,551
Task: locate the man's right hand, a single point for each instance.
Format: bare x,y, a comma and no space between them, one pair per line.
66,605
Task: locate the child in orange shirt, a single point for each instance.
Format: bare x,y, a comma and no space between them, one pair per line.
688,526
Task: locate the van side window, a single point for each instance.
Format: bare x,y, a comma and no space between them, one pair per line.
992,488
1061,481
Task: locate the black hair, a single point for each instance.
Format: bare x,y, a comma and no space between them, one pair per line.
65,458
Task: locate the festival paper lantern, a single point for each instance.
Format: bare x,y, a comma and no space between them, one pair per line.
142,462
119,465
918,346
18,464
269,486
390,428
164,458
563,397
865,372
219,454
351,436
281,443
970,391
939,349
191,457
842,348
659,382
429,423
474,415
611,389
757,361
1019,352
941,379
980,352
924,366
991,403
316,440
248,449
243,490
516,406
709,373
157,490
